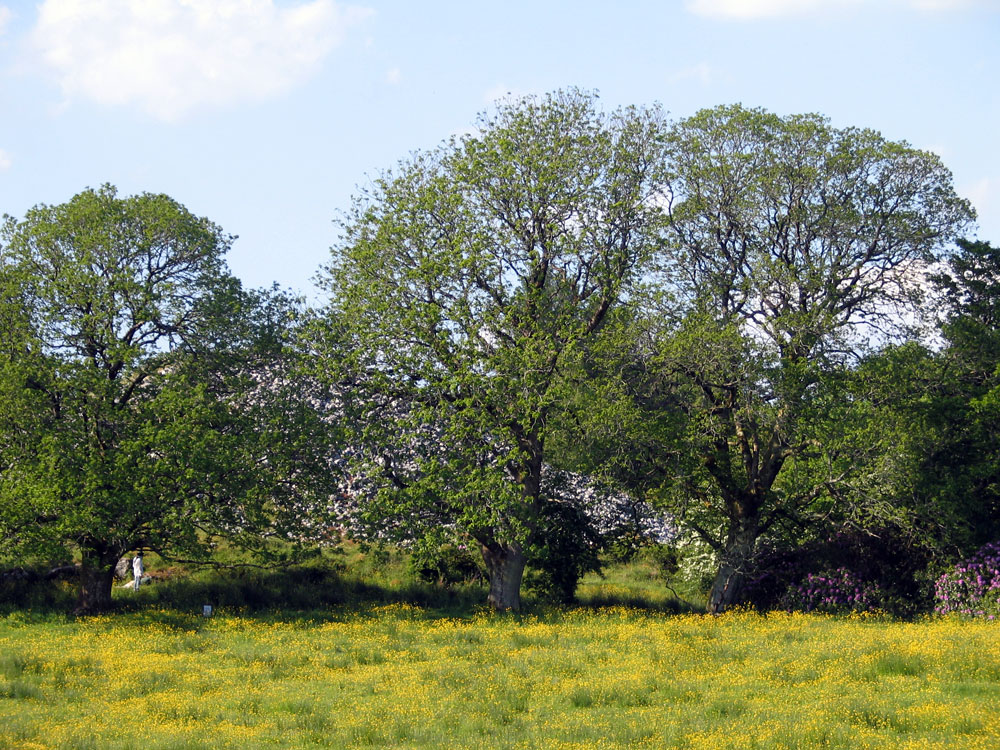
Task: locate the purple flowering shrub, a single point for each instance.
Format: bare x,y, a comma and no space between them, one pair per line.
846,570
971,588
839,590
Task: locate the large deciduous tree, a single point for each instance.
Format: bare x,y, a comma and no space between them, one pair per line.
468,283
793,248
142,403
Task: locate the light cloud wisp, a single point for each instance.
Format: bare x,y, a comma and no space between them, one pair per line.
742,10
702,73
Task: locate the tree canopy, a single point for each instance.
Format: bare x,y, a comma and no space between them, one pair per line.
794,248
716,316
132,413
467,284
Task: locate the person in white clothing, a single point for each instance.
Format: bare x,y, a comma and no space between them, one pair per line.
137,570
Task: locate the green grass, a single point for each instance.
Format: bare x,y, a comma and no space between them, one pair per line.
640,582
352,653
404,676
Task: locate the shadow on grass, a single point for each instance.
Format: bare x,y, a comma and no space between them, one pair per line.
672,606
36,597
309,593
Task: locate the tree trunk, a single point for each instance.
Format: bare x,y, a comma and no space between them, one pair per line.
734,566
97,577
505,566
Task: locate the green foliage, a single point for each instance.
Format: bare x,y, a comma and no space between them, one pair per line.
467,288
971,287
565,548
445,563
707,314
928,419
963,468
791,244
137,407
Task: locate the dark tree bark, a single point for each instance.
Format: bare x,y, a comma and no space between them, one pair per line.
735,564
505,566
97,576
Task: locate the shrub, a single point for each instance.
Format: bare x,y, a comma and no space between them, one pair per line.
30,588
567,547
446,563
839,590
697,561
972,588
855,569
666,558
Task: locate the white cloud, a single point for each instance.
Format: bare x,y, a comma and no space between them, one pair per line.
5,161
741,10
5,16
748,9
393,76
171,56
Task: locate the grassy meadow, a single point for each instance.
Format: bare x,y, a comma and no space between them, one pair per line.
378,673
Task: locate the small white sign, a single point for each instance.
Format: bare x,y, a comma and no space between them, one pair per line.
207,610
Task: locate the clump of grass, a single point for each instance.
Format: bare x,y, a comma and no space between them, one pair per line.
14,665
19,690
905,665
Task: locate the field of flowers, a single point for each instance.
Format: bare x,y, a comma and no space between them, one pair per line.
398,676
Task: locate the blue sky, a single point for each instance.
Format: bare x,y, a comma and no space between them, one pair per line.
266,115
